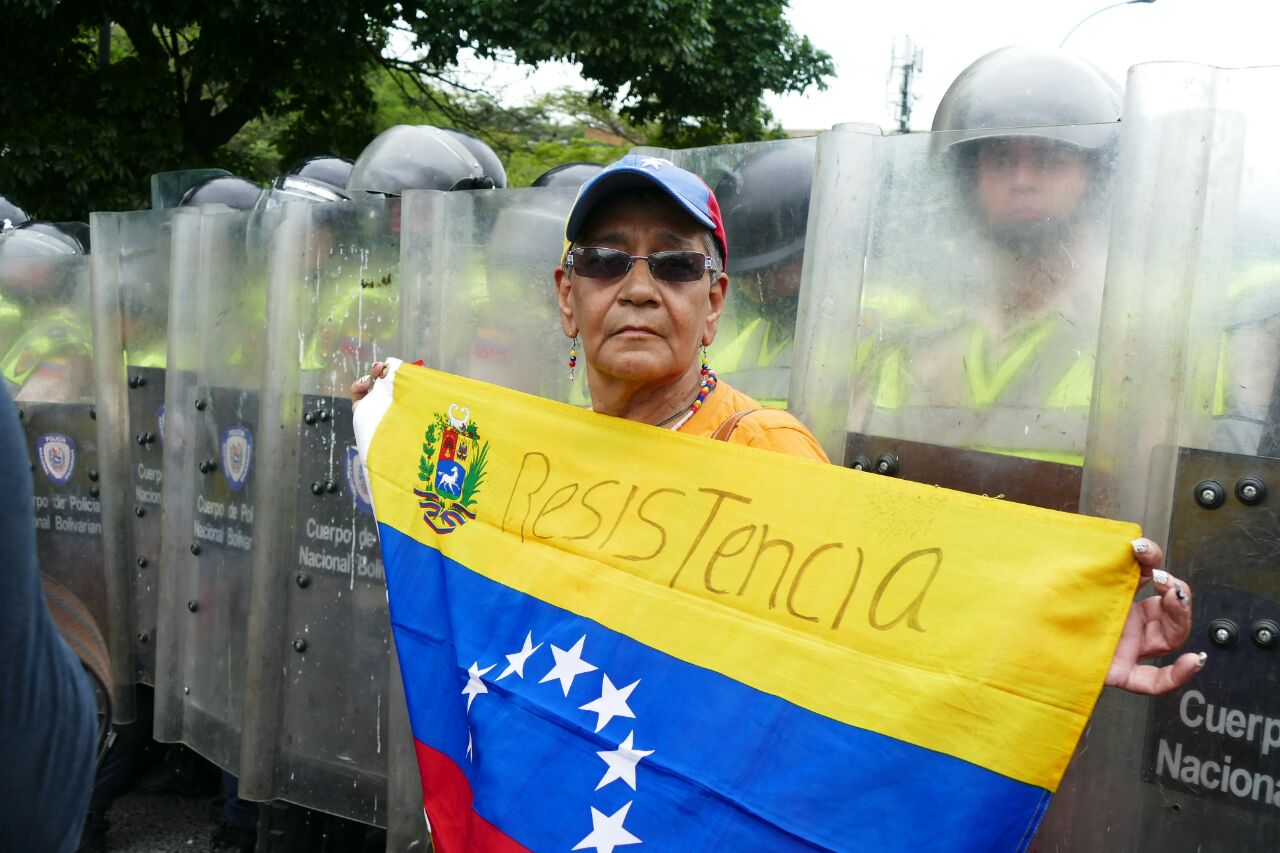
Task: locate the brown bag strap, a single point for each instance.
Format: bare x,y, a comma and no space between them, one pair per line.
726,429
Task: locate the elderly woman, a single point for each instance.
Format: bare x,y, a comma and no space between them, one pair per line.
643,283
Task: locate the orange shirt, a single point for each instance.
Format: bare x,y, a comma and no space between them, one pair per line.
768,429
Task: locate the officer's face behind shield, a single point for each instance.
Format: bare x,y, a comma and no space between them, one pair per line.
1029,190
775,285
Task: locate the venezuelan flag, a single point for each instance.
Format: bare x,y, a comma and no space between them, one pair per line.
614,636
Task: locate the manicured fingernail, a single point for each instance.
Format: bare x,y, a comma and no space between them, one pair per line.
1201,659
1160,576
1181,592
364,380
1141,546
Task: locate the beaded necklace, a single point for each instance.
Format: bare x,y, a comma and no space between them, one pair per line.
708,385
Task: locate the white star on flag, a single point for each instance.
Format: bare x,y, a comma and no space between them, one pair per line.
569,665
607,831
654,163
515,662
612,703
474,685
622,762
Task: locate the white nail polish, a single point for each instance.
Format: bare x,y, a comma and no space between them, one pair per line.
1141,546
1201,659
1160,576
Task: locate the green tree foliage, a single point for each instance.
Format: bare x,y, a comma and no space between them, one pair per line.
101,94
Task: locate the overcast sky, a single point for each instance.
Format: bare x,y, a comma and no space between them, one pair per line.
860,36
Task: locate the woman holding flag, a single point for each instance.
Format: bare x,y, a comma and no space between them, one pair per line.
642,286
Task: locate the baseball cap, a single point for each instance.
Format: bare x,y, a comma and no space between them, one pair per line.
639,171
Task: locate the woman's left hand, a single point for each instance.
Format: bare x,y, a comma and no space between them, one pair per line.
1157,625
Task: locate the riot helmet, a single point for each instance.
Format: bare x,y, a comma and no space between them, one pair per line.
313,179
38,238
35,256
416,157
1029,135
480,149
10,214
229,190
573,174
765,204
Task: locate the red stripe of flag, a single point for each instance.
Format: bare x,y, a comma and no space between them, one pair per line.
446,794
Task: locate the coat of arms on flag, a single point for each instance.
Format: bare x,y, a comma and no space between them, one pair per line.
451,467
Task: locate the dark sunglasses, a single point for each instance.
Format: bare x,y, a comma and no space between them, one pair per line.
593,262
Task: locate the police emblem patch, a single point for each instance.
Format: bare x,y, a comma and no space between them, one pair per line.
451,470
57,454
357,484
237,456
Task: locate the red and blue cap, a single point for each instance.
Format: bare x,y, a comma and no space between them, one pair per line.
640,171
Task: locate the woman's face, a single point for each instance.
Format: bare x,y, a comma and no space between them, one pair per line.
639,329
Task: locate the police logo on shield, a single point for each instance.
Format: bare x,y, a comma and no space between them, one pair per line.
57,454
357,484
237,456
451,469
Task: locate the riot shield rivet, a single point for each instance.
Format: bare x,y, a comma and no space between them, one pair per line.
1251,490
142,638
302,580
93,475
193,605
330,486
195,548
300,645
860,463
207,466
309,418
139,511
887,464
317,488
93,413
94,491
1265,632
323,415
1210,494
201,404
1223,633
186,690
142,439
142,562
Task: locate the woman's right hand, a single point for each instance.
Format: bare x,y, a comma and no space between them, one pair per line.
362,386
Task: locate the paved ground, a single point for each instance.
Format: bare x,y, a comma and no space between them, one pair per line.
160,823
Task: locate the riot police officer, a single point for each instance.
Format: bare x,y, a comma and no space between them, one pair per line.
765,204
48,351
1028,138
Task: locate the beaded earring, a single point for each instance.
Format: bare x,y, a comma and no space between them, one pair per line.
573,358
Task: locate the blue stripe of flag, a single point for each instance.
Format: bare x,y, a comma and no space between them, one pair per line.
732,768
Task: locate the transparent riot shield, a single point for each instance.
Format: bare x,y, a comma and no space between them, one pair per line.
764,193
479,291
46,361
217,312
316,712
1183,439
951,305
131,287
